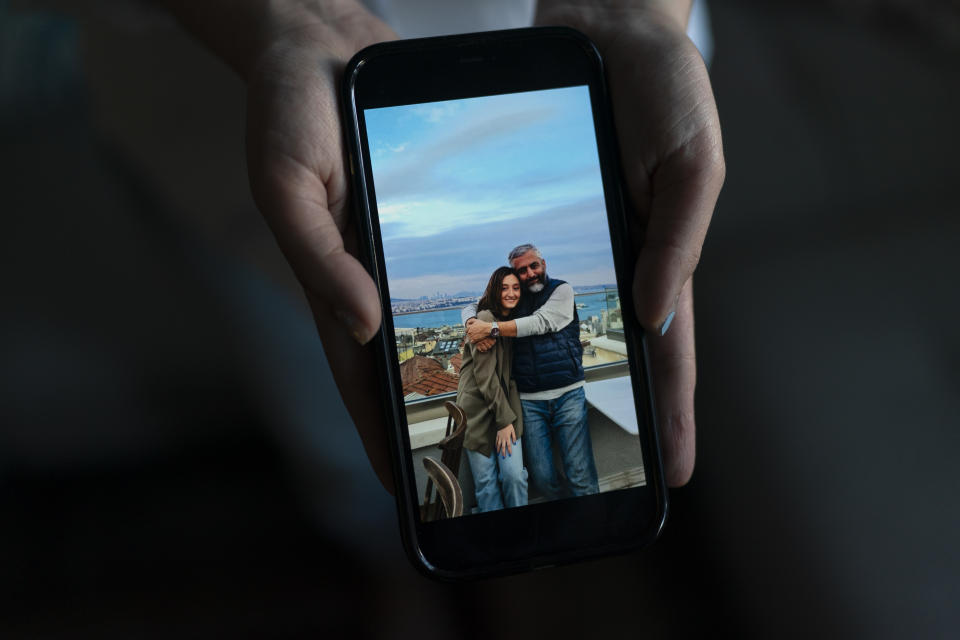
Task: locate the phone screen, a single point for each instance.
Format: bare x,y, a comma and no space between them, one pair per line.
494,207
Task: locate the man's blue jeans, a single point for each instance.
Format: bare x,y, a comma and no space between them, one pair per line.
563,419
499,481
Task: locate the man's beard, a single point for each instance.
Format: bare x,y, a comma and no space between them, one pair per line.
538,286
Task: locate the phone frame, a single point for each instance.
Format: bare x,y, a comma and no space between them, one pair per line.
476,65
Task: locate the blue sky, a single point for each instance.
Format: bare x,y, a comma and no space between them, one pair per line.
459,183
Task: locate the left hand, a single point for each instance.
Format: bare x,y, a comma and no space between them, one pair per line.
486,344
672,159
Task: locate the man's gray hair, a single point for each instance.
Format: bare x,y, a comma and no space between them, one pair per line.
522,249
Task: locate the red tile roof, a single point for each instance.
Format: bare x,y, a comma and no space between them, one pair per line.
457,362
433,383
416,367
427,377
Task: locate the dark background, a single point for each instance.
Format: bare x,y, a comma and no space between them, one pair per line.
174,459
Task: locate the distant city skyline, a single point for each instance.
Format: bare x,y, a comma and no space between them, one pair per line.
459,183
437,295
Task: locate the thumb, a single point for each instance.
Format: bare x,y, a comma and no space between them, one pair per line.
313,245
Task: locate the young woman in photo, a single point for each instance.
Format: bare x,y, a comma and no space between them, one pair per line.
491,401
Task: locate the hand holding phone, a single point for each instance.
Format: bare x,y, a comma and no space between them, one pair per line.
299,180
673,164
291,58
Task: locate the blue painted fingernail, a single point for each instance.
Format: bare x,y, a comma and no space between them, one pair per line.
666,323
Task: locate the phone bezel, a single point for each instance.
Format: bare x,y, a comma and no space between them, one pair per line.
475,65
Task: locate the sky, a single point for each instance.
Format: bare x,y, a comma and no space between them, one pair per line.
459,183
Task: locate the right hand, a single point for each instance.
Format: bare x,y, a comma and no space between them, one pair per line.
506,438
295,160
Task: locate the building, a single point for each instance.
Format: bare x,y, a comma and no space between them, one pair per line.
422,377
445,349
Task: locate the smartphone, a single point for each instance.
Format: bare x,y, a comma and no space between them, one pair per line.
490,212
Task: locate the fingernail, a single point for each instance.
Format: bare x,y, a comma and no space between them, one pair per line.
666,323
352,325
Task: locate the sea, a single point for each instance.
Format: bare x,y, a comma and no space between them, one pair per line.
595,306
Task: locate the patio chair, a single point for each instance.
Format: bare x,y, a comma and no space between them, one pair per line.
451,448
450,503
452,443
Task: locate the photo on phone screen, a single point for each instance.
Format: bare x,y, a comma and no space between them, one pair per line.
493,208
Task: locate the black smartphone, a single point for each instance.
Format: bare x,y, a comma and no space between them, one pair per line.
489,207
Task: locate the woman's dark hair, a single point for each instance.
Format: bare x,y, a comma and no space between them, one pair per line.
491,297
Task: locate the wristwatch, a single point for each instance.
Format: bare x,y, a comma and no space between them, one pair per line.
494,330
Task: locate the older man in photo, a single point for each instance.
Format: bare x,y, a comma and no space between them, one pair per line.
548,370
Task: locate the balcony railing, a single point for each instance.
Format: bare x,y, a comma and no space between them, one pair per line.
601,322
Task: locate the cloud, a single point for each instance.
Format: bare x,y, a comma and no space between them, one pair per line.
426,219
574,238
482,176
437,111
416,173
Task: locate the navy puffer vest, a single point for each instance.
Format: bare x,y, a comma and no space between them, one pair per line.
552,360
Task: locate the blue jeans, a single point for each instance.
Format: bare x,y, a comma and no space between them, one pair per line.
499,481
563,419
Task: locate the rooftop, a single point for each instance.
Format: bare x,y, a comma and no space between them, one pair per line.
433,383
426,377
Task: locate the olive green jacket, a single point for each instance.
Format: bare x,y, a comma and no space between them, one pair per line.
487,393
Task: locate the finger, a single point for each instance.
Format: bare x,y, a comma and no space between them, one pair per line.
674,168
686,187
314,246
674,373
354,371
509,446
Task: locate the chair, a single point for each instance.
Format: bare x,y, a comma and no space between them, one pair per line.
452,443
448,489
451,448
